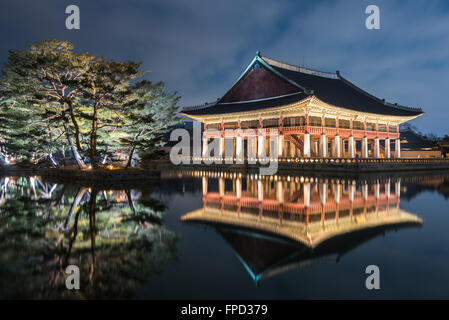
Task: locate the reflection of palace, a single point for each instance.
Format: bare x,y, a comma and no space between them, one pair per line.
268,219
308,113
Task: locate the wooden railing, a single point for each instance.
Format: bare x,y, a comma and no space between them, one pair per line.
329,131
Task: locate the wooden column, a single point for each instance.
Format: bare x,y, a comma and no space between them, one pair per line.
376,153
323,145
239,148
337,147
351,147
365,147
307,152
205,142
398,148
387,148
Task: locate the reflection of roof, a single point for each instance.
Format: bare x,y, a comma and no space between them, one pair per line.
267,83
268,254
292,230
412,140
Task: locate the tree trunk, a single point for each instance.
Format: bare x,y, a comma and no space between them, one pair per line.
130,157
93,231
75,203
93,140
62,152
130,201
76,155
52,160
75,124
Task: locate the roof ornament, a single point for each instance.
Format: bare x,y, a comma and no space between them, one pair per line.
258,53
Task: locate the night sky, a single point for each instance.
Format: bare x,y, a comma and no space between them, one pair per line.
199,48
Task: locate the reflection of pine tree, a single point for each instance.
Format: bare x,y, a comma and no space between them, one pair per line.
117,245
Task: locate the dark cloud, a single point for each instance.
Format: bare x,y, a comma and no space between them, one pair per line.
200,47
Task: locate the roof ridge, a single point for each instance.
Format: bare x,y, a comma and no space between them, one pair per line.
292,67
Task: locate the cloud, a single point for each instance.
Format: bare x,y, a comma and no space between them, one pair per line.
200,47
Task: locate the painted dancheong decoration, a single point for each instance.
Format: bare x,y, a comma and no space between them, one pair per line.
310,113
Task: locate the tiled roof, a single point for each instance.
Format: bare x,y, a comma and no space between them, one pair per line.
331,88
231,107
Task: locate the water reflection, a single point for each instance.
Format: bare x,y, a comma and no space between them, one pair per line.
115,237
126,242
277,223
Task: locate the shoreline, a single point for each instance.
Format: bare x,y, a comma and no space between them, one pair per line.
100,177
333,165
317,167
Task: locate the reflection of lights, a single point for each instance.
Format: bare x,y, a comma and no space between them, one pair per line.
110,167
89,167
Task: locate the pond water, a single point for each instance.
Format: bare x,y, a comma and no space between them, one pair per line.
225,235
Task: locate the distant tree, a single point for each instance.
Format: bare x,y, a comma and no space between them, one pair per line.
150,114
431,137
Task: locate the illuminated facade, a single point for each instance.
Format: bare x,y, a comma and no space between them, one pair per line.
306,113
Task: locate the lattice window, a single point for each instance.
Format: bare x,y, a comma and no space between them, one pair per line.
345,124
249,124
231,125
357,125
315,121
370,126
271,123
393,128
382,128
294,121
330,122
213,126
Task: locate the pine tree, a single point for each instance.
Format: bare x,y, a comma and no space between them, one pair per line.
98,105
48,72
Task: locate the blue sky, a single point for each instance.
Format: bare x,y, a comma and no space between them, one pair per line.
199,48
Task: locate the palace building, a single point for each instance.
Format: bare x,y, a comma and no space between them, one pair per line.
304,113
